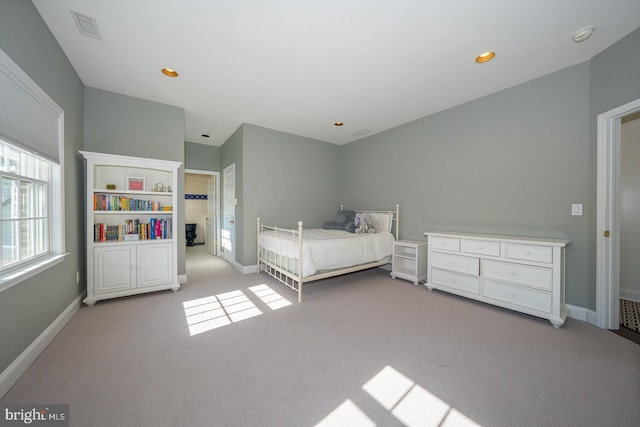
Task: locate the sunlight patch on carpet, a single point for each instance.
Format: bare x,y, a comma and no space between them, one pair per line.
208,313
270,297
408,402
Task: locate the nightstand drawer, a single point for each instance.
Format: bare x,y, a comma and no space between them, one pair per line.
531,298
529,252
444,243
481,247
539,277
462,264
457,281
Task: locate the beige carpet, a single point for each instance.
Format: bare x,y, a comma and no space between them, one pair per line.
363,349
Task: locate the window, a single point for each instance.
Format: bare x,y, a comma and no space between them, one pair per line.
24,218
31,190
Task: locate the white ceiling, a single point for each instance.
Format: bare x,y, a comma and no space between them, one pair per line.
298,66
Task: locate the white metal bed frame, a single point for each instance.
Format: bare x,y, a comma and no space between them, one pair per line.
280,267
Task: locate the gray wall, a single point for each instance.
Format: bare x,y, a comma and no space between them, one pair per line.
29,307
232,152
202,157
287,178
630,207
614,82
509,163
124,125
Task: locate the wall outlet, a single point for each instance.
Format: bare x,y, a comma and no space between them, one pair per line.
576,209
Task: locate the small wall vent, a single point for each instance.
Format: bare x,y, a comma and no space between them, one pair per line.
87,25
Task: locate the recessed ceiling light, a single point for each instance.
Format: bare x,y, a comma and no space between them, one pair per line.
485,57
338,124
169,72
583,34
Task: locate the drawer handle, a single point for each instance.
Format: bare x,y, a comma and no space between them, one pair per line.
527,252
513,294
453,281
480,248
452,263
513,273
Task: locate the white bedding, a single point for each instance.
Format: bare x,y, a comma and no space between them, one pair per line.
330,249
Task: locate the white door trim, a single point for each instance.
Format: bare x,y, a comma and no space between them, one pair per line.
228,204
608,190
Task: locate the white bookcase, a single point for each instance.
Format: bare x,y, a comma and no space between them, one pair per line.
131,225
524,274
409,260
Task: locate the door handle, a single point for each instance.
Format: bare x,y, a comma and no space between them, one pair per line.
232,222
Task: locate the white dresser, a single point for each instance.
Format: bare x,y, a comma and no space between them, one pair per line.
524,274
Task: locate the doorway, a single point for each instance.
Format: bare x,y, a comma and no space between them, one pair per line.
201,208
608,247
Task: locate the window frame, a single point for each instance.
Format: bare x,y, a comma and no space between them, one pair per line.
27,88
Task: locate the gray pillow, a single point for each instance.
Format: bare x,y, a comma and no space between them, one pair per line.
344,221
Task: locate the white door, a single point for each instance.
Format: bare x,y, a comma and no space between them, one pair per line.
608,224
228,224
212,215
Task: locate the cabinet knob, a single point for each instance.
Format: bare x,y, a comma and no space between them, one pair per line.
513,294
453,281
513,273
480,248
527,252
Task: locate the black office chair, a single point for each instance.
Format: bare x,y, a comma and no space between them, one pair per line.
191,233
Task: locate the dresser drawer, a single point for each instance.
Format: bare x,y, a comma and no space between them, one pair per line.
481,247
531,298
457,281
462,264
529,252
539,277
445,243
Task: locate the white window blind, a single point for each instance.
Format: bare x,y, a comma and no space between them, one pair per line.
29,118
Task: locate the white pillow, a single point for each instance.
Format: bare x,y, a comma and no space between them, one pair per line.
381,221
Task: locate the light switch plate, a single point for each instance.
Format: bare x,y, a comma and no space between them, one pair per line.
576,209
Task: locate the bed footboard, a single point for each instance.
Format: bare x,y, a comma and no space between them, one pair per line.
285,269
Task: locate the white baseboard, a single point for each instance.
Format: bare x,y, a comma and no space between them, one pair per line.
18,367
581,313
630,294
250,269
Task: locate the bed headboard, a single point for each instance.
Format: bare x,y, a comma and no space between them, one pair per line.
395,218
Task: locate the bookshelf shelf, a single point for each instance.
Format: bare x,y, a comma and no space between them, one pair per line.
130,242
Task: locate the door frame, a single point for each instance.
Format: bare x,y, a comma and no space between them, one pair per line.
229,257
217,204
608,216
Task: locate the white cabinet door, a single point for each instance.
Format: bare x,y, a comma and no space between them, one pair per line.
154,264
114,268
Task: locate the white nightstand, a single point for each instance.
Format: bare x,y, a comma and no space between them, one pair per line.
409,261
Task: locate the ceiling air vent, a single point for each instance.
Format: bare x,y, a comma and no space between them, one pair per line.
360,132
87,25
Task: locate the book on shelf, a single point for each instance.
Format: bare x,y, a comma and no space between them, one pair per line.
134,229
114,202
